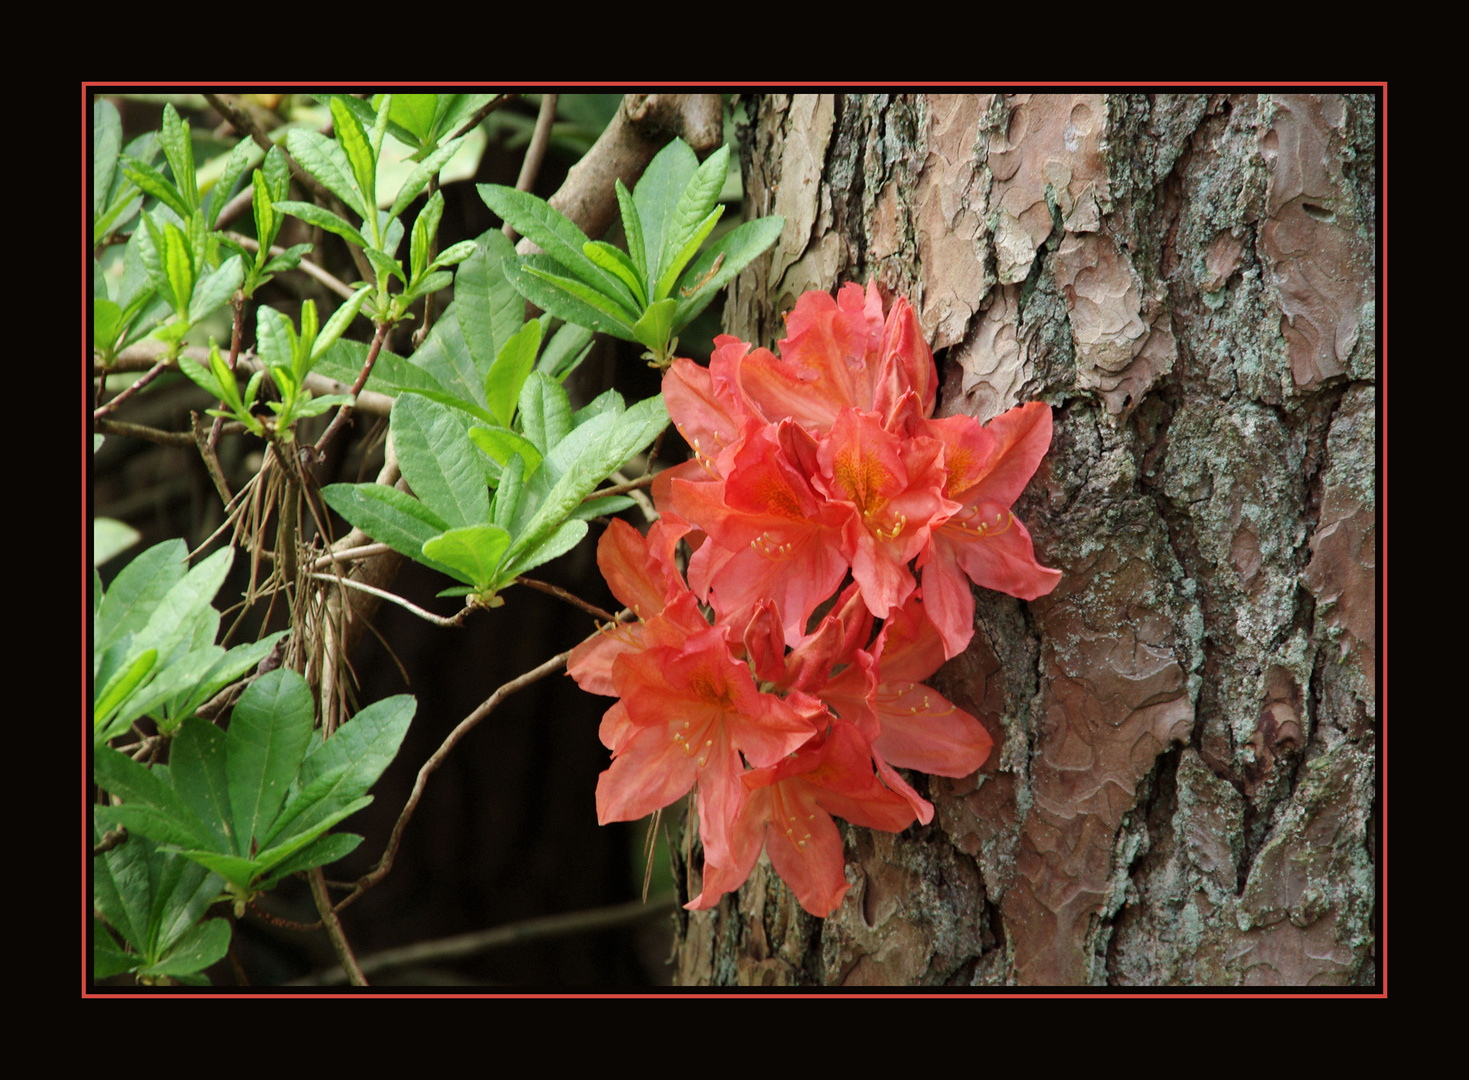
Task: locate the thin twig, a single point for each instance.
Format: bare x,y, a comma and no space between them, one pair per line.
211,460
334,928
365,551
464,727
147,434
383,594
570,598
623,488
152,373
537,929
110,840
346,410
535,153
484,110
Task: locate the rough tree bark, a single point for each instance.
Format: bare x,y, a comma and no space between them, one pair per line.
1183,789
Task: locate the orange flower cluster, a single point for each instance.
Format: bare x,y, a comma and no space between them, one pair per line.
823,462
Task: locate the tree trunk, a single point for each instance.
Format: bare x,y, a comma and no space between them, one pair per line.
1183,788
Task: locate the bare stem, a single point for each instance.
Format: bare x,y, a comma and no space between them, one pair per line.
152,373
346,410
334,928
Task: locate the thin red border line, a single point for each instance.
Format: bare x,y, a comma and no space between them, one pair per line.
1381,951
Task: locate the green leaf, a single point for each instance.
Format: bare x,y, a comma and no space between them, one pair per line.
610,504
361,750
511,368
632,228
388,516
473,552
203,945
507,496
559,542
657,198
122,889
656,326
439,462
453,254
447,358
322,851
178,269
337,325
736,248
554,234
610,259
269,731
216,288
545,412
325,219
172,621
489,308
122,685
503,444
107,958
385,266
266,221
631,432
360,156
422,173
680,258
424,228
110,538
152,182
137,590
149,805
567,348
235,869
179,151
415,113
234,167
572,300
300,834
196,765
106,142
325,159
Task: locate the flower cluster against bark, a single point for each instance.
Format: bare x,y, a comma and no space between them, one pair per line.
821,485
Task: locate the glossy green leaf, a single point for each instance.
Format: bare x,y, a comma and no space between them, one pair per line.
473,552
196,766
615,262
490,310
360,158
545,411
679,259
171,622
323,851
511,368
179,151
656,326
337,325
453,255
216,288
632,228
110,538
553,233
561,540
203,945
106,143
439,462
150,806
657,196
122,684
422,173
234,167
612,315
325,159
137,590
502,444
152,182
730,254
178,268
567,348
270,728
388,516
325,219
